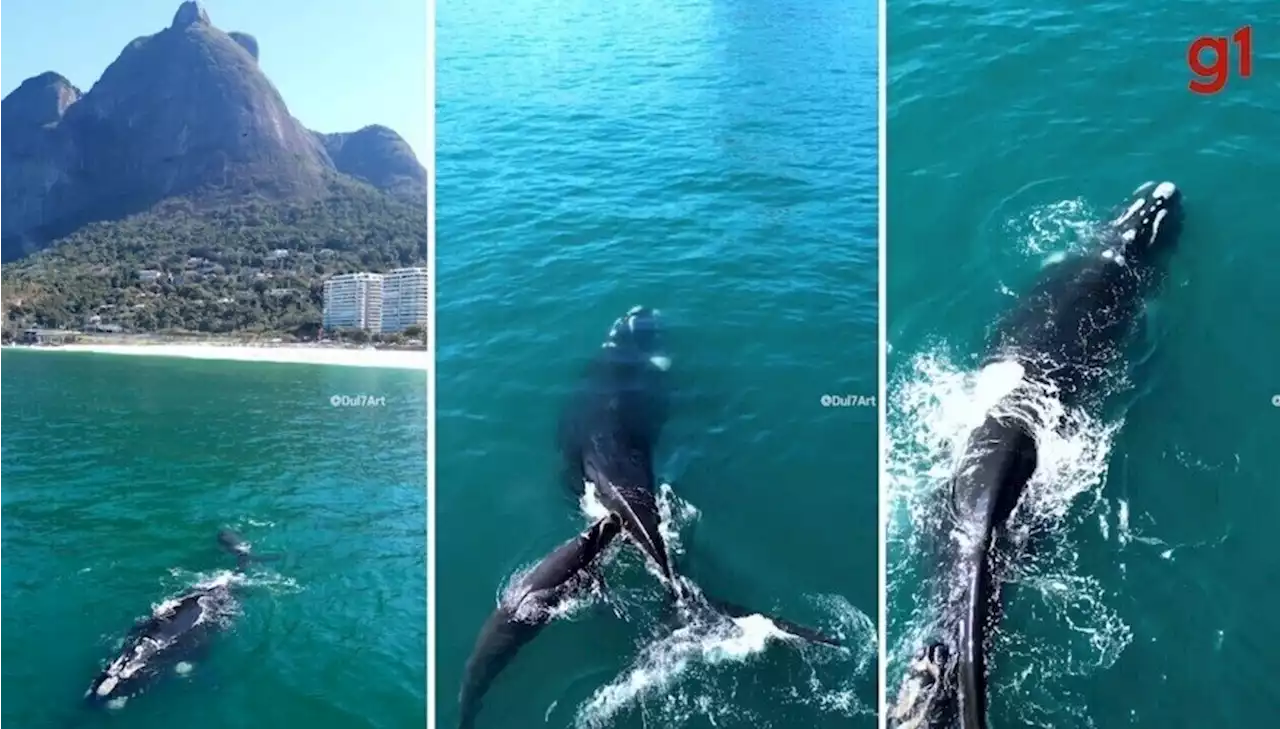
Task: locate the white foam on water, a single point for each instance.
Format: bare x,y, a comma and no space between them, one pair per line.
183,668
996,381
675,515
933,408
590,502
1043,232
681,673
117,703
662,663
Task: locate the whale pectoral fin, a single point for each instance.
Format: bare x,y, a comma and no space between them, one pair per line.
810,634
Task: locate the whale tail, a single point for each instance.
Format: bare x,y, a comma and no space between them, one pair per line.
1001,457
681,592
737,611
926,699
972,678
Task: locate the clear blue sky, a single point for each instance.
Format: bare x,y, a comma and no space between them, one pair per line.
340,64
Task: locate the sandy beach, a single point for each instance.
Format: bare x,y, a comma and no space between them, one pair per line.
385,358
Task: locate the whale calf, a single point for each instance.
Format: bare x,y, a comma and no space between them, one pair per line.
527,606
1064,337
174,632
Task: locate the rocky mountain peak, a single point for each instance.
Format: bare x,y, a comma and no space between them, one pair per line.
185,112
40,100
190,13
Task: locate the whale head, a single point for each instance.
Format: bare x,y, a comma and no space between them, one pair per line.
927,697
1151,221
639,333
126,675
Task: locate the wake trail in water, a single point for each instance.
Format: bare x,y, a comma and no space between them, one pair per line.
694,669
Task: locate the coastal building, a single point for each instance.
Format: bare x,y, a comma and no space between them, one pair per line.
404,299
48,336
353,301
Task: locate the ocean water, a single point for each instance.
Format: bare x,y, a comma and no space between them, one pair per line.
716,160
119,471
1011,129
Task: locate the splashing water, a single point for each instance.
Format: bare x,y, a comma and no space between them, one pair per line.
1047,229
936,406
694,670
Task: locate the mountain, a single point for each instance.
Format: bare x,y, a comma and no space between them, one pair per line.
184,113
180,195
377,156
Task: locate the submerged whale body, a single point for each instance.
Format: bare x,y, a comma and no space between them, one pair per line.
528,606
1063,339
609,432
175,632
608,437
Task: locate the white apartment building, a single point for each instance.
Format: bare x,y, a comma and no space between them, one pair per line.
404,299
353,301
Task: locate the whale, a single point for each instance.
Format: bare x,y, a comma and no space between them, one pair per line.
527,606
175,631
610,430
608,436
1066,337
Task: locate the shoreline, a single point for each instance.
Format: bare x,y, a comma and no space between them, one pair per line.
402,359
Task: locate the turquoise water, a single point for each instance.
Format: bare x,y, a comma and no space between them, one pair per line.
119,471
1010,128
716,160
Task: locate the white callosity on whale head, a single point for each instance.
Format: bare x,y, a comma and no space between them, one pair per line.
1162,192
1155,224
1133,209
124,667
1115,256
107,686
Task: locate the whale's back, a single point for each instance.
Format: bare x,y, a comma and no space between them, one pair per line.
1070,328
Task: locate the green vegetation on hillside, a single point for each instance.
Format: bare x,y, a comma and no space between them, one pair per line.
258,266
